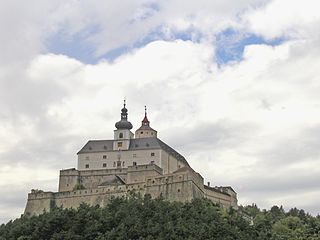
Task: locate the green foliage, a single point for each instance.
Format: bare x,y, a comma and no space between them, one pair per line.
78,186
276,224
135,217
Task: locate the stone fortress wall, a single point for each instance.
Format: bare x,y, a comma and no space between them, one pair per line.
182,185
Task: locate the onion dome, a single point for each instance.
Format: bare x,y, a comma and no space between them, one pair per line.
124,123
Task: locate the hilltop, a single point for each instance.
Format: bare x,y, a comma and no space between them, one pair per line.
135,217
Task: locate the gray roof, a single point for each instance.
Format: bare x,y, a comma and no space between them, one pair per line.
112,180
145,127
216,190
135,144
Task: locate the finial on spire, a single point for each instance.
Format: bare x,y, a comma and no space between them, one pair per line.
124,102
145,120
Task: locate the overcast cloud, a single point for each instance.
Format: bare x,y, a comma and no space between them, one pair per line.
232,85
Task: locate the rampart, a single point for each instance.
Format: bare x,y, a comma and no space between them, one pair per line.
181,186
101,185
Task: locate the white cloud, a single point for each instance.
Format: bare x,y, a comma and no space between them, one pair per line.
285,18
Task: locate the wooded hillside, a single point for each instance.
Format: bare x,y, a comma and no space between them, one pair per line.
143,218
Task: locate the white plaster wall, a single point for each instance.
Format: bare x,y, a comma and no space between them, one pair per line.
127,134
96,161
169,163
145,133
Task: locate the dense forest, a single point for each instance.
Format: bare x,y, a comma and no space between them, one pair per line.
135,217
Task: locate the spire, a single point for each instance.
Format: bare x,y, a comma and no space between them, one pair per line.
145,121
145,131
124,123
124,111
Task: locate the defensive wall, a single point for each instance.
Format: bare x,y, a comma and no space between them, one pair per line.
182,185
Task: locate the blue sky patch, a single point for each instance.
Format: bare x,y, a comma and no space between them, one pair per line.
77,46
74,46
230,44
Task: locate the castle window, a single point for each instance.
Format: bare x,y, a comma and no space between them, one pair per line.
147,144
118,164
120,135
105,147
178,190
87,165
134,155
152,154
104,165
123,164
119,144
104,157
87,158
134,163
114,164
152,162
136,145
141,132
90,148
152,133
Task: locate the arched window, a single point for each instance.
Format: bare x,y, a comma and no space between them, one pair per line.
120,135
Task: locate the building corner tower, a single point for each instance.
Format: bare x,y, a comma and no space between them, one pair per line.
122,134
145,131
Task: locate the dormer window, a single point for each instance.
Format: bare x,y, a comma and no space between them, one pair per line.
90,148
120,135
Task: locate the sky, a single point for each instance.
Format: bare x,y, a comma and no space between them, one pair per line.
231,85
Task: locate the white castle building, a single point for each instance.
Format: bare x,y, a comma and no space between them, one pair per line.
138,162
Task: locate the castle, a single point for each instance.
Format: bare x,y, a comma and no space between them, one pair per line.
138,162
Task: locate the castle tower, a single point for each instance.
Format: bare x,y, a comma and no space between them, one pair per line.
145,131
122,134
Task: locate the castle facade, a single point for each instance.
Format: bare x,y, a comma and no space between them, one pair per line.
138,162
